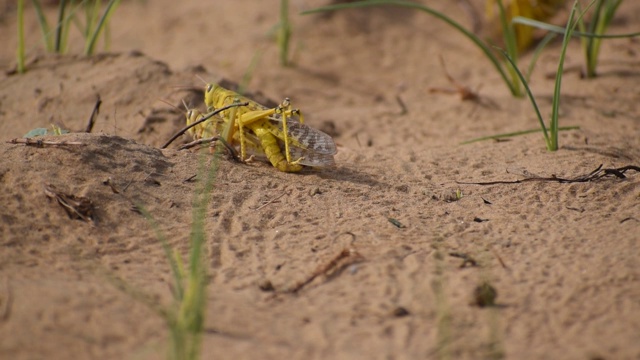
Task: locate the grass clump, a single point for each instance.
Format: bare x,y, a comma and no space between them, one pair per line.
56,38
603,14
186,314
507,70
186,317
591,33
550,133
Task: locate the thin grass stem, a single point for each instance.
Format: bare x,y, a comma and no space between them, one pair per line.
533,101
248,74
537,52
284,33
44,26
560,30
555,105
511,44
59,27
515,133
178,290
91,43
21,53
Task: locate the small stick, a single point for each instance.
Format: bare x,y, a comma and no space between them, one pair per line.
199,142
465,92
42,143
201,121
8,302
467,259
403,106
332,265
109,182
495,253
271,201
127,186
94,115
76,207
190,178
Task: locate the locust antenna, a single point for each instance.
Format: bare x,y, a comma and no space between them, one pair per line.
201,79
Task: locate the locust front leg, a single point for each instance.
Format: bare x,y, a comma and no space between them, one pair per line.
285,110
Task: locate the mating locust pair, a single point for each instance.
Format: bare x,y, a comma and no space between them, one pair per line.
276,134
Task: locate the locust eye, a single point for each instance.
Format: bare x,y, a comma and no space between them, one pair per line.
209,87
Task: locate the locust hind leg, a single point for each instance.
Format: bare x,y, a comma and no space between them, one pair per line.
272,151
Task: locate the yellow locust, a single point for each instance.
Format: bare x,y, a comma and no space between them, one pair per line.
278,133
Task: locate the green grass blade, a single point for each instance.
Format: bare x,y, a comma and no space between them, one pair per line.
191,311
509,34
560,30
555,106
532,98
593,43
556,92
65,25
514,134
77,22
185,318
248,74
44,26
107,37
584,41
475,39
21,53
592,35
175,268
537,52
92,14
136,294
60,26
605,10
284,33
91,43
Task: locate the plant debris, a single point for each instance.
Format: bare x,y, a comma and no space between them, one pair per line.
468,260
396,223
43,143
485,295
596,174
77,207
345,258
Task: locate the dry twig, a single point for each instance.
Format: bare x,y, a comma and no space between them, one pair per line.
596,174
345,258
272,200
94,115
42,143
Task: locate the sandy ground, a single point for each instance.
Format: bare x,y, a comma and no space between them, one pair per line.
563,257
